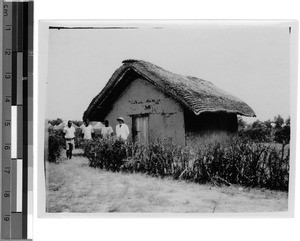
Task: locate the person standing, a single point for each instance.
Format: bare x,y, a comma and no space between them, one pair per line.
87,130
122,129
106,130
69,131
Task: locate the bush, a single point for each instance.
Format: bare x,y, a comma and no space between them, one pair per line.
97,133
56,144
236,161
283,135
245,163
108,153
277,130
78,138
260,134
56,121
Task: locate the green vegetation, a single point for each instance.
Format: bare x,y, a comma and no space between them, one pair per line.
238,161
55,122
105,153
73,186
277,130
56,144
257,157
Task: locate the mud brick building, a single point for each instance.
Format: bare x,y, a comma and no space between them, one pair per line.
157,103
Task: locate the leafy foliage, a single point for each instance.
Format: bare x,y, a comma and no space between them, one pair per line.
257,134
257,124
288,121
238,161
56,143
245,160
277,130
283,135
108,153
78,138
56,121
278,120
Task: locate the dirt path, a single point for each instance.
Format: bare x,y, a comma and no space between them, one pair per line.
76,187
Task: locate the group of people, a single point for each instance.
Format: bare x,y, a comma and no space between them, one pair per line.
122,131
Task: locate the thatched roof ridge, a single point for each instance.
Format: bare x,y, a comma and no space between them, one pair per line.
195,94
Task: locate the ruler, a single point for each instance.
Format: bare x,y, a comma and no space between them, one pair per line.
17,128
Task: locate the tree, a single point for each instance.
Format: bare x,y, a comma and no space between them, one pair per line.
278,120
56,122
288,121
283,135
268,124
257,124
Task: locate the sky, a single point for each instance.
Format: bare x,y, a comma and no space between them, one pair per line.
251,63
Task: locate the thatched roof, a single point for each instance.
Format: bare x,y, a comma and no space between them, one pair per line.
195,94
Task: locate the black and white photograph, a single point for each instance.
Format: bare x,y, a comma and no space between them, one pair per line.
149,120
168,117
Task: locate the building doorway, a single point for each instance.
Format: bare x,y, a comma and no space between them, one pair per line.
140,129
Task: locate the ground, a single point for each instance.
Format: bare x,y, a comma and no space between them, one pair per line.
75,187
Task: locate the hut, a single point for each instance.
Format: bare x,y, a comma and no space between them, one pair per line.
158,103
98,126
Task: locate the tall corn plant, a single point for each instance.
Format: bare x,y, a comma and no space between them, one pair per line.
234,161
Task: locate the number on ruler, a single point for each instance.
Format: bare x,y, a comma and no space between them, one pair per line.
6,218
5,10
8,27
7,171
7,75
6,147
7,99
6,194
7,123
8,52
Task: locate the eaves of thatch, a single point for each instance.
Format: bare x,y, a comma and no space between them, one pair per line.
195,94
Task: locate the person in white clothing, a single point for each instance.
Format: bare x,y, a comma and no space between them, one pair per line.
106,130
122,129
69,131
87,130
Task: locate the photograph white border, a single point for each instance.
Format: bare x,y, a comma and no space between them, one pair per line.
163,229
43,64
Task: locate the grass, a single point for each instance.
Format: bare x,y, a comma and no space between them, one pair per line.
76,187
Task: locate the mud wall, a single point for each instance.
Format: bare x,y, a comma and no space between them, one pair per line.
166,116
